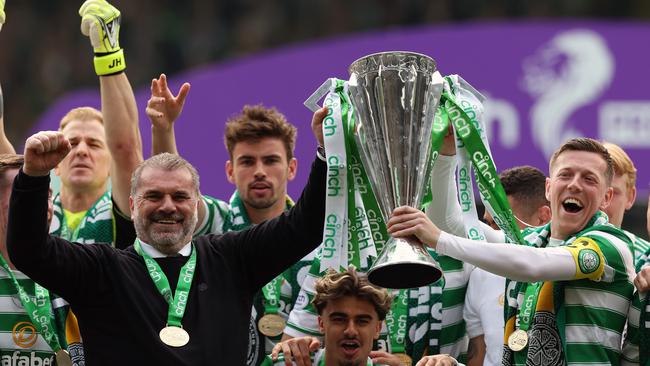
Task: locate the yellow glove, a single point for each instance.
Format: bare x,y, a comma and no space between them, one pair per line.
100,21
2,13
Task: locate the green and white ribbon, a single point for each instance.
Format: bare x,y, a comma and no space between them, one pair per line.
462,103
271,293
335,248
39,308
464,183
354,230
361,242
396,320
178,301
528,306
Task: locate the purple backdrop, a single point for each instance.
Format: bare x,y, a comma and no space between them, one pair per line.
545,82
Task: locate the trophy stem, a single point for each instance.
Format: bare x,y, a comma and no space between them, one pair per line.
404,263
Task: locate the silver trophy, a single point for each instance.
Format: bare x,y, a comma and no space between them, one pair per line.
395,96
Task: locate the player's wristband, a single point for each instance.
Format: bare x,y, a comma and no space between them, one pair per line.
111,63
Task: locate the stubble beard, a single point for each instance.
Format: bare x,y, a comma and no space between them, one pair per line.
166,242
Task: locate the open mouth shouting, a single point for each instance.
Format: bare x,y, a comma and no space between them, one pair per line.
572,205
350,347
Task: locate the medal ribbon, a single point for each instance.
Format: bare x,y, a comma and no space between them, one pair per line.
178,301
527,311
39,309
272,295
396,322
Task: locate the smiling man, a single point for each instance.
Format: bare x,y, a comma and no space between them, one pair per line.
570,284
260,143
350,315
169,299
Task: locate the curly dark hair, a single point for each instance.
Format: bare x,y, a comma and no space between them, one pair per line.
335,285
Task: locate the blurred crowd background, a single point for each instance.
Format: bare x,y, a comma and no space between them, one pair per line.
43,55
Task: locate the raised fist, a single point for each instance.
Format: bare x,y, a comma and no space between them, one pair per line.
101,22
44,151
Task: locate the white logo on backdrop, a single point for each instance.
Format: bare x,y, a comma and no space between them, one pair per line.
503,113
570,71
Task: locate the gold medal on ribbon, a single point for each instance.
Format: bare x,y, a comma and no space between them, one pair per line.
518,340
405,359
63,358
271,325
174,336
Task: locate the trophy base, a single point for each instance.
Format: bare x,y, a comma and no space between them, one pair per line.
403,264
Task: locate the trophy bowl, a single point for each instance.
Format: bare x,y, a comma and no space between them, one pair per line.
395,96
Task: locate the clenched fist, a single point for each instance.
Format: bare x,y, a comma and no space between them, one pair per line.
44,151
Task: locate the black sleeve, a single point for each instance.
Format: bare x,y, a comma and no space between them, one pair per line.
124,228
71,270
267,249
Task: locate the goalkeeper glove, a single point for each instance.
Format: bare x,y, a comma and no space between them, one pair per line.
101,22
2,13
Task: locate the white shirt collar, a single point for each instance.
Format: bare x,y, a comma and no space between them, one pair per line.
154,253
553,242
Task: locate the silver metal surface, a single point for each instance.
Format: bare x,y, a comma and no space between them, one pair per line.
404,263
395,96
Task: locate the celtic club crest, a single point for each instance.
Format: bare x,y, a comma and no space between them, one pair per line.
545,346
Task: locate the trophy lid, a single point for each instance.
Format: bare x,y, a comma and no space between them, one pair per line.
393,60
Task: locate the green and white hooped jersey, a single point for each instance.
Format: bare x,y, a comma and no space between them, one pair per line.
445,304
585,316
641,248
20,343
636,347
215,220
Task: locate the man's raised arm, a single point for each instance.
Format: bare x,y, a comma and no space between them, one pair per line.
163,108
100,21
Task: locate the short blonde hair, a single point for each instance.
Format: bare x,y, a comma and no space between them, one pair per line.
81,114
623,165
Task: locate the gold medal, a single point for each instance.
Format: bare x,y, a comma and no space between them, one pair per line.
404,359
518,340
174,336
271,325
63,358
